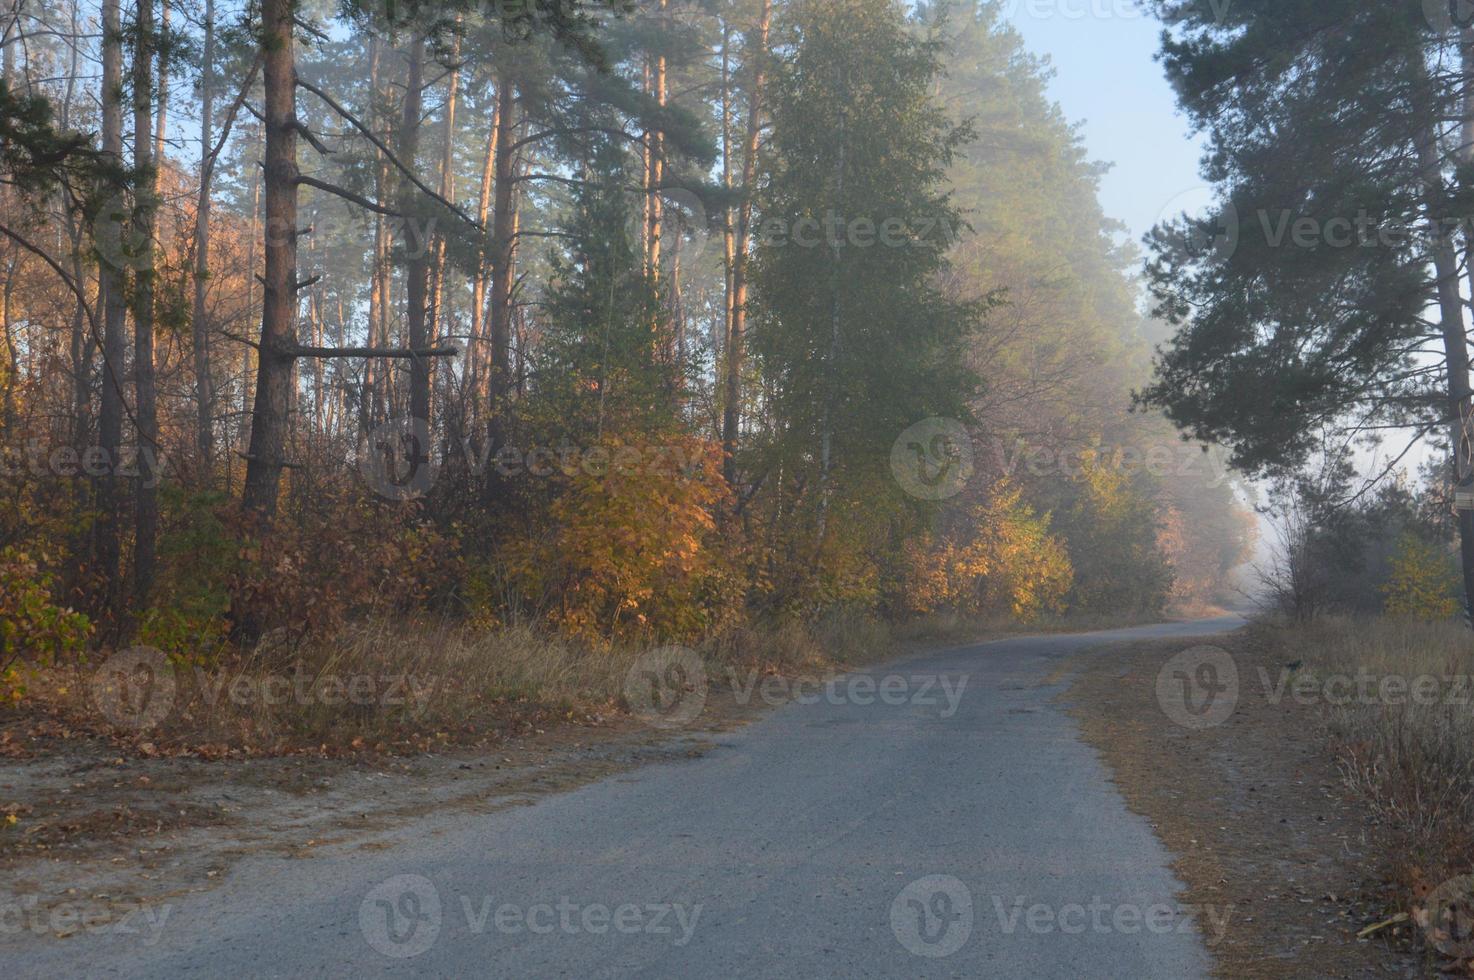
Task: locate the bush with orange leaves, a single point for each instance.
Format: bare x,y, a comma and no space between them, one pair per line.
1002,560
631,550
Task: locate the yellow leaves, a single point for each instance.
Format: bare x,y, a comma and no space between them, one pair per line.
629,552
1422,583
1005,560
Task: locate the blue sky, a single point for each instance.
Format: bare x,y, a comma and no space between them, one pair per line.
1107,78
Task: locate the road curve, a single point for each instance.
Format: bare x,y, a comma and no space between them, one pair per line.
935,817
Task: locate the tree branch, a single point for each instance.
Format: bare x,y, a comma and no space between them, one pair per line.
347,195
387,352
388,154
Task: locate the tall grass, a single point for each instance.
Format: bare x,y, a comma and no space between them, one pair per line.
1410,757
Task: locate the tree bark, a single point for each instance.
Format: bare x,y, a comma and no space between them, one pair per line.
146,494
728,228
266,455
757,48
199,325
161,124
447,191
416,247
476,353
655,173
370,410
503,265
112,275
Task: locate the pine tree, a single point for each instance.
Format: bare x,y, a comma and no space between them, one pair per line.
854,339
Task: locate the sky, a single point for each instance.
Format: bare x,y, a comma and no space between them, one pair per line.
1103,53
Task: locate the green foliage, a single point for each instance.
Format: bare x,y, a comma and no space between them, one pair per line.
1111,530
34,155
189,618
600,360
1282,337
852,336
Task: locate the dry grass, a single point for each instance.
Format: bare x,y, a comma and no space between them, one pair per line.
1405,733
399,687
951,627
408,687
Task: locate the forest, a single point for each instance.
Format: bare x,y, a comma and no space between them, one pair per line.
622,324
468,462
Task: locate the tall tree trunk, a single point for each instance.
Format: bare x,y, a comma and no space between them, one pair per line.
199,326
111,274
370,410
161,123
146,495
10,369
447,191
83,345
756,53
728,228
477,354
655,171
417,252
503,265
266,456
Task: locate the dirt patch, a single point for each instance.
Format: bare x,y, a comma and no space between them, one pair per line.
100,834
1256,811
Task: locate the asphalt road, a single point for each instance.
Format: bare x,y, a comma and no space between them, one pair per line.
935,817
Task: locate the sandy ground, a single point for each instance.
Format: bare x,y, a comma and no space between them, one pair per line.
101,834
1257,813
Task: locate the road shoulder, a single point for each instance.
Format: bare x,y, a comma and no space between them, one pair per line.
1263,829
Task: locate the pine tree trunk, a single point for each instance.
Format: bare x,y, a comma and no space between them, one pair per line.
111,274
146,496
447,191
199,326
728,229
1455,346
417,251
655,176
757,47
266,456
161,123
503,266
477,352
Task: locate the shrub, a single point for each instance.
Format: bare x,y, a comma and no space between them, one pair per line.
34,631
633,552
